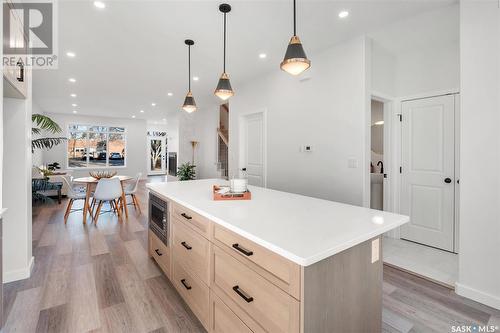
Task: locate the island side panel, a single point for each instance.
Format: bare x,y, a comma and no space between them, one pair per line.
343,293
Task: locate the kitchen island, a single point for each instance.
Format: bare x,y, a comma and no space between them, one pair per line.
280,262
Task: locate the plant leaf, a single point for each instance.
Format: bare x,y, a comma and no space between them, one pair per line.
45,123
46,143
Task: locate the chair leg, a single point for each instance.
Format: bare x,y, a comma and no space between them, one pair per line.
137,205
68,210
118,211
98,211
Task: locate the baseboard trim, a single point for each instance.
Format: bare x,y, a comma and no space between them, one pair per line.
477,295
19,274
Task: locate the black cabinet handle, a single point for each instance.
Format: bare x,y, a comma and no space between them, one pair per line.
186,245
242,250
20,76
447,180
187,286
158,252
186,216
242,294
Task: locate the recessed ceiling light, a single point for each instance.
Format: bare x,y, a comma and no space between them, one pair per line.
263,56
142,111
99,4
380,122
164,119
133,116
73,95
74,105
71,54
153,104
74,111
195,78
343,14
170,94
72,80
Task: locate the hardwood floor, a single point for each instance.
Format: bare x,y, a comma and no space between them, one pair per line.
99,278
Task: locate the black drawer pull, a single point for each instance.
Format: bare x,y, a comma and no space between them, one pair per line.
158,252
242,250
242,294
187,286
186,216
186,245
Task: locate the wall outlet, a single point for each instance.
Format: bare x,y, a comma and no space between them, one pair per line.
352,163
307,148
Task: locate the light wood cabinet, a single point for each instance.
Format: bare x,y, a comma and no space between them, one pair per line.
234,285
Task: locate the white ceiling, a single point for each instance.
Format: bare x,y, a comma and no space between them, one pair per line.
132,53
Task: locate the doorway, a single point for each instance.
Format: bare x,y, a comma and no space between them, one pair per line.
253,148
157,152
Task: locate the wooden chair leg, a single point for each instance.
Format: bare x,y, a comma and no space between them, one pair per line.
98,211
68,210
137,205
118,211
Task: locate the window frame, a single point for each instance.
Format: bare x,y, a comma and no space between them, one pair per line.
107,166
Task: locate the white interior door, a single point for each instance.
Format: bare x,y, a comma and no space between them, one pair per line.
157,164
428,171
252,146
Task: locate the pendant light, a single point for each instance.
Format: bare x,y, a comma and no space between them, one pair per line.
295,61
224,89
189,103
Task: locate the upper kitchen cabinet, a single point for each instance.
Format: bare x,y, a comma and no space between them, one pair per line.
14,77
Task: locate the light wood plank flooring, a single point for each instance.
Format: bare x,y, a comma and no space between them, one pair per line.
100,279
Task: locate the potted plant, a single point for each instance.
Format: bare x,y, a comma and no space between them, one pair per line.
186,171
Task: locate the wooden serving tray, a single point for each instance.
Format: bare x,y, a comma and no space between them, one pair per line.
231,196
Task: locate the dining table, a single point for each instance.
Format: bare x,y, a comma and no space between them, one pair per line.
91,182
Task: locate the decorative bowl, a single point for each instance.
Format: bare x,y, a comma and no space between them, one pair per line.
102,174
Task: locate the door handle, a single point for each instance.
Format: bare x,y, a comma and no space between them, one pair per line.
246,252
186,216
243,169
447,180
242,294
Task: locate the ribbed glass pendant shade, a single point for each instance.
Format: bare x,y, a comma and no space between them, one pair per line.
295,61
224,90
189,103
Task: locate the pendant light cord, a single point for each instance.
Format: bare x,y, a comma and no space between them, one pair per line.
294,19
189,67
224,66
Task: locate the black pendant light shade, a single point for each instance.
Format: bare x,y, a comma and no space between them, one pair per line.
224,90
189,103
295,61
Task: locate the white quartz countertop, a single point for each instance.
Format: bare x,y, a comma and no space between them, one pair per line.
302,229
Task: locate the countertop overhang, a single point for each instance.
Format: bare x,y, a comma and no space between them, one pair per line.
302,229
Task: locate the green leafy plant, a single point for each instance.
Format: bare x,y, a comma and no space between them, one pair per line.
44,123
186,171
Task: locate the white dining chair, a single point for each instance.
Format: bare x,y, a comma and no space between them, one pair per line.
107,190
131,191
74,193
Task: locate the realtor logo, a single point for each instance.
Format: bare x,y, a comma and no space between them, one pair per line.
29,33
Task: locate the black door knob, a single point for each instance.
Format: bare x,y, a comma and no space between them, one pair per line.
447,180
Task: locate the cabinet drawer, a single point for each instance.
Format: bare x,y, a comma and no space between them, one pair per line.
192,219
271,307
193,291
192,250
159,252
223,320
280,271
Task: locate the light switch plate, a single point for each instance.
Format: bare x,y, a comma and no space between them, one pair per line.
375,250
352,163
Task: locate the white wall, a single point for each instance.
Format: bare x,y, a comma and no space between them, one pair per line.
328,112
37,157
136,160
206,124
17,246
479,269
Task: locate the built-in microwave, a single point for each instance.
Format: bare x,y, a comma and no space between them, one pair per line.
158,218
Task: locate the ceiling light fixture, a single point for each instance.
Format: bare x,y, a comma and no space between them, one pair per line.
170,94
142,111
73,95
164,119
74,111
224,90
263,56
380,122
133,116
343,14
153,104
72,80
195,78
189,103
74,105
295,61
71,54
99,4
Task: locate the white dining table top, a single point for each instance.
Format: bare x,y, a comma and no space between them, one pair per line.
90,179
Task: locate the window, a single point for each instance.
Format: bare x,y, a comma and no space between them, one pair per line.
96,146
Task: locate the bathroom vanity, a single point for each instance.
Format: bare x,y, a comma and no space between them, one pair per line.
280,262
